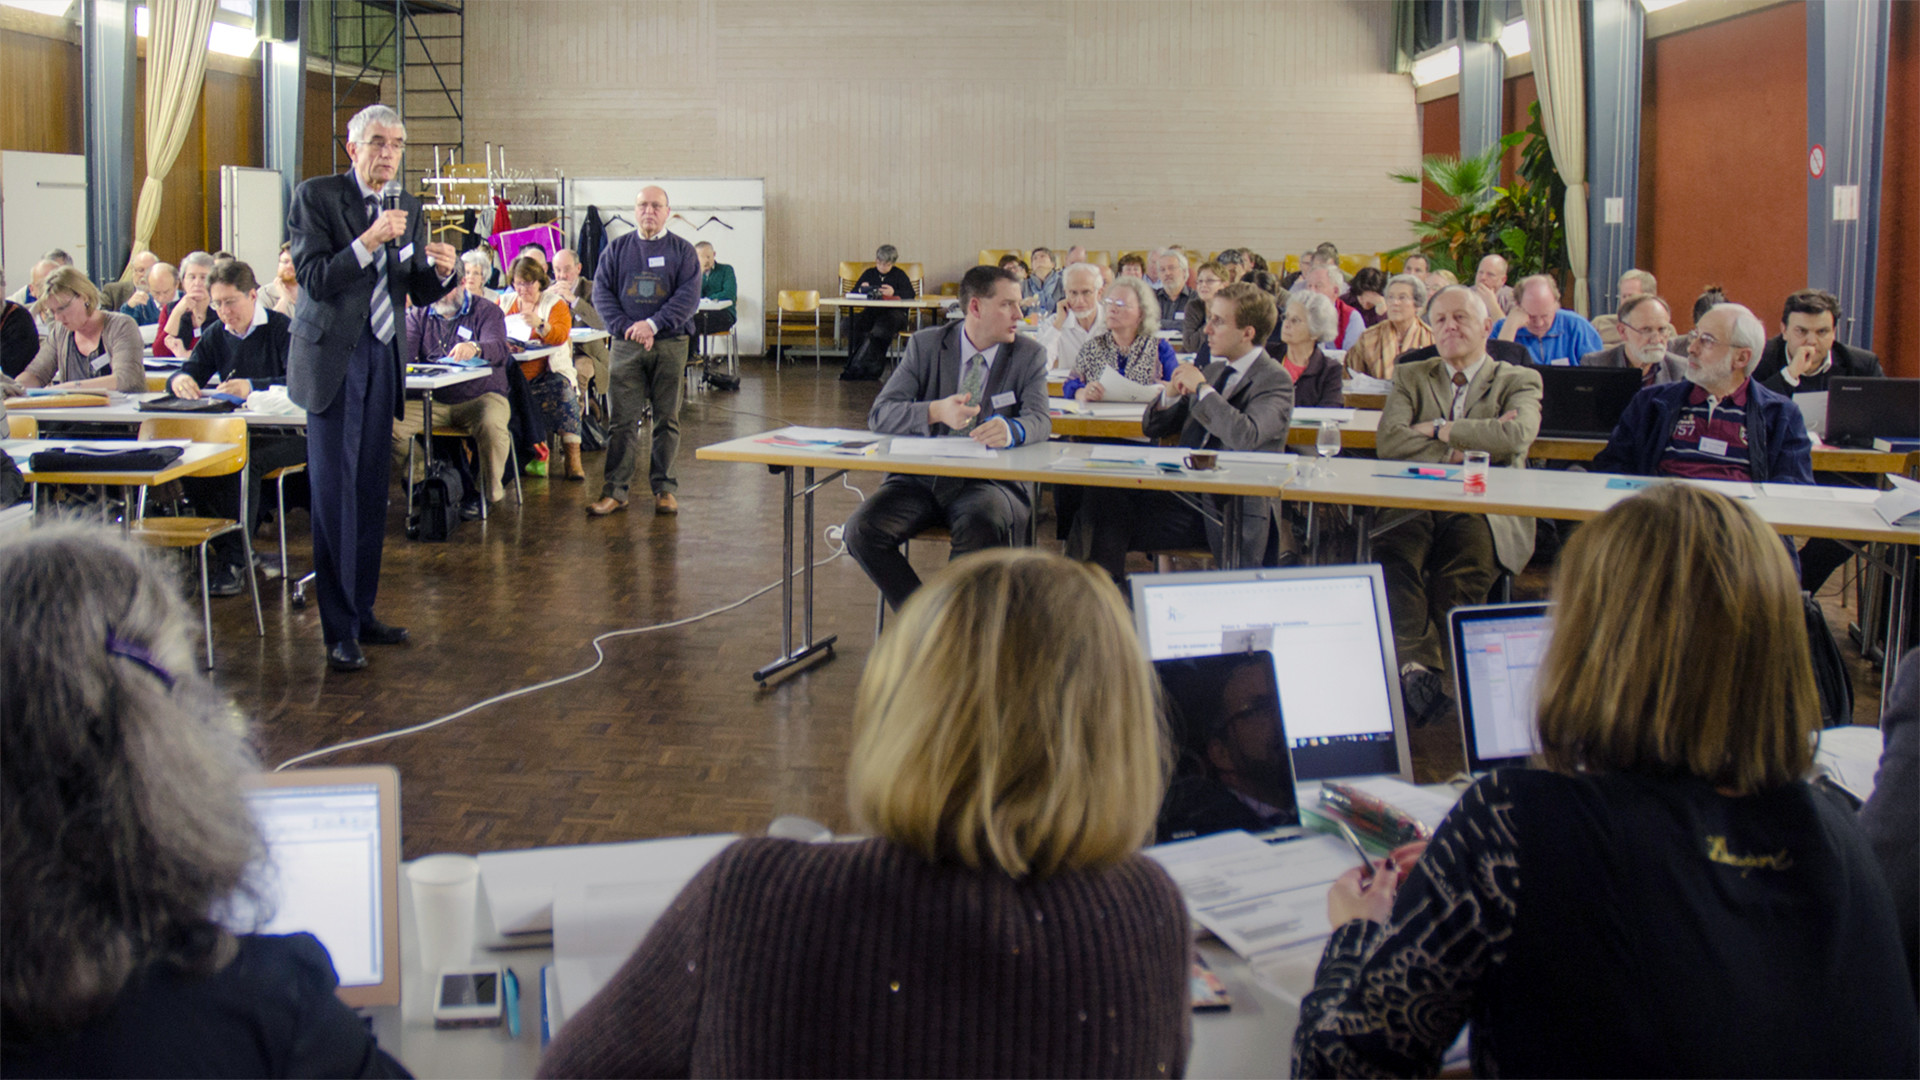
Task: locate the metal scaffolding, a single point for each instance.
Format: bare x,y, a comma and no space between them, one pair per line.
421,46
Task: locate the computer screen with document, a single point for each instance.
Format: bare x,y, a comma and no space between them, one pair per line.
1332,644
1497,650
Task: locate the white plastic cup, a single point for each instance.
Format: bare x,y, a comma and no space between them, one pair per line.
1474,475
446,890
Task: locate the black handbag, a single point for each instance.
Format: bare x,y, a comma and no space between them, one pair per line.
89,459
436,504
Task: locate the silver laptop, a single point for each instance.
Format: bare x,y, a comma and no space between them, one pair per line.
1497,650
1333,656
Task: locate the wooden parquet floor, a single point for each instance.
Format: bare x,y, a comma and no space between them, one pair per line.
670,736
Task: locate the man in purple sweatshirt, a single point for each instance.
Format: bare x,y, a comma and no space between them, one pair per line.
648,288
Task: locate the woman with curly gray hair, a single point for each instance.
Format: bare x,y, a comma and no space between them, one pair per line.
1131,344
128,847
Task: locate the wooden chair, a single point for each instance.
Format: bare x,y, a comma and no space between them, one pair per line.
1163,560
1352,264
158,383
1100,258
992,256
199,532
795,302
850,272
23,427
950,288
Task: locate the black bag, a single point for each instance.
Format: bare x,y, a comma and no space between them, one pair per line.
436,504
593,432
188,406
1831,680
105,459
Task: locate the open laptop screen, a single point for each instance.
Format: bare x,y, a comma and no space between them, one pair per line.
1497,650
1232,769
1332,646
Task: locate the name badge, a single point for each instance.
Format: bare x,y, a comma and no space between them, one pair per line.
1559,363
406,253
657,261
465,333
100,362
1001,401
1716,447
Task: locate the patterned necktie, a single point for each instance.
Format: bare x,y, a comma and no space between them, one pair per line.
1459,394
382,310
972,383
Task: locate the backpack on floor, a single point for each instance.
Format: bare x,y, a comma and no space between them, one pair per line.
436,504
1831,680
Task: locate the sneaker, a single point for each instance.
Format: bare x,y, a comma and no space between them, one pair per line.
470,508
224,580
1424,694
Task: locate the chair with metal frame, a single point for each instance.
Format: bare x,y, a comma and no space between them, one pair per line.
795,302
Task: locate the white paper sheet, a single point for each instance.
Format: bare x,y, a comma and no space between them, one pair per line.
1850,756
1310,415
1813,409
596,927
1118,387
950,446
518,329
1824,494
520,885
1899,505
1367,384
1732,489
1257,897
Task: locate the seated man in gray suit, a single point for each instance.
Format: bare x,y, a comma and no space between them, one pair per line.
1646,331
1434,562
976,377
1242,401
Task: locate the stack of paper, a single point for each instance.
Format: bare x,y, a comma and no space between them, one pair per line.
1900,505
1310,415
951,446
848,441
1255,896
1118,387
1367,384
1850,756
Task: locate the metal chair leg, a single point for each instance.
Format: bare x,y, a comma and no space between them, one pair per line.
280,519
246,550
206,604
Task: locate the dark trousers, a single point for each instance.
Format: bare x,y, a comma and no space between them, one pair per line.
1434,563
1112,522
710,322
979,513
349,464
1819,559
869,332
219,496
642,379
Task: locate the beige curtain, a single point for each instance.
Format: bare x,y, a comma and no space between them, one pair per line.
176,62
1553,28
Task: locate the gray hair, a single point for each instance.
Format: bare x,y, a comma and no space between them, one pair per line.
476,257
1066,276
1230,257
1322,322
1413,280
127,837
1143,295
1472,295
200,259
375,115
1175,253
886,253
1748,331
1332,270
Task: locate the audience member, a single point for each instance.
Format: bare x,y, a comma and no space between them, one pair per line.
1434,562
528,250
183,322
1417,264
590,358
462,326
870,331
1490,281
162,292
1719,424
717,283
1243,400
1806,353
130,853
647,287
19,339
117,294
58,257
1316,379
1637,283
1645,326
977,377
1234,264
31,293
1207,282
1438,279
1327,280
1004,822
1554,335
1129,345
1710,297
1171,290
85,348
1132,265
1075,254
550,379
1380,348
247,351
1366,294
1888,820
1015,265
568,279
1608,327
476,269
1668,850
283,292
1080,318
1041,291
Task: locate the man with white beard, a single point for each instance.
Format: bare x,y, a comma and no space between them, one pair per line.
1646,328
461,326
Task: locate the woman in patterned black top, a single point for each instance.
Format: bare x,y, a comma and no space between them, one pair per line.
1665,895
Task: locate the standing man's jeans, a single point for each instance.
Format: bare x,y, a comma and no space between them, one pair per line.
641,377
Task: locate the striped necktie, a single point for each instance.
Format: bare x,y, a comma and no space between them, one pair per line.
382,310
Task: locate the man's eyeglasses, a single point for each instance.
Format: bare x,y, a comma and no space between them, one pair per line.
227,303
1706,341
1116,302
1663,330
381,145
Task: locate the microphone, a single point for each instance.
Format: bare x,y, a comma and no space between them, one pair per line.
390,200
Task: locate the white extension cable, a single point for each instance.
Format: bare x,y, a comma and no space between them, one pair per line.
835,535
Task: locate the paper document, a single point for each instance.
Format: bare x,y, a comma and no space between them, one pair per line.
829,440
1823,493
1850,756
1320,416
1813,409
1255,896
1367,384
950,446
1899,505
1428,806
1101,410
518,329
596,927
1148,455
1732,489
1118,387
521,885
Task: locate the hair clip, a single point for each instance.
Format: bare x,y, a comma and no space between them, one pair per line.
119,646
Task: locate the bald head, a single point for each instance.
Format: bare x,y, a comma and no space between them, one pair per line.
650,209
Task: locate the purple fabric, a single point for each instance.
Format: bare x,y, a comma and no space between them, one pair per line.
507,245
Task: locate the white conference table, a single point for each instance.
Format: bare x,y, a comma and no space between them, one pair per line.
1253,1039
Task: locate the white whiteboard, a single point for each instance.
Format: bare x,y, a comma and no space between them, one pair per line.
253,220
741,204
43,205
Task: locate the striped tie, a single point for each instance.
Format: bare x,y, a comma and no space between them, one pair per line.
382,302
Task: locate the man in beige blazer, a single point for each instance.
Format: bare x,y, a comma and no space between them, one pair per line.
1434,562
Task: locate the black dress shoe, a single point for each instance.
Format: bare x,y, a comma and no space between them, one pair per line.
470,508
375,632
346,656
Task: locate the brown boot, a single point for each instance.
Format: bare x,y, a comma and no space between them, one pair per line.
575,470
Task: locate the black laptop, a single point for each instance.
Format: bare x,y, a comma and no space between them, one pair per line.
1232,765
1860,410
1584,402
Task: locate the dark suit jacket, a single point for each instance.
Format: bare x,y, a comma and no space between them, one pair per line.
336,292
1847,361
1255,416
930,370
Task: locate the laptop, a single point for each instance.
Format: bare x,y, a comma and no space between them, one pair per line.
1584,402
1331,642
1496,652
1860,410
1232,767
333,845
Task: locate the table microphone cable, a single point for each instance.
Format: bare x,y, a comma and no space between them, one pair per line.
835,535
